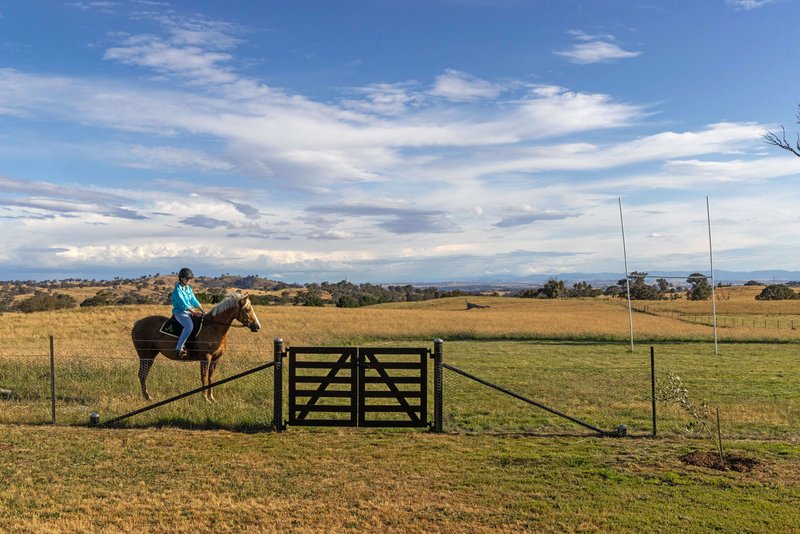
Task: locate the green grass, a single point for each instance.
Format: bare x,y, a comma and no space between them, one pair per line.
73,479
754,385
500,465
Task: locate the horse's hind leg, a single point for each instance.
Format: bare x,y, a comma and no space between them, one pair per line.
212,367
204,378
146,359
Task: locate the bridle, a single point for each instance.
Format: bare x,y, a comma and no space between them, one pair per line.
244,324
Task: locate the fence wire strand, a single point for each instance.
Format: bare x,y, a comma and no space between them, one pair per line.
755,388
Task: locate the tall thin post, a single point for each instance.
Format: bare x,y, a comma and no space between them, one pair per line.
438,386
277,388
627,280
713,294
52,381
653,386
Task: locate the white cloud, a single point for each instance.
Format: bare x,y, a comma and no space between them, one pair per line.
385,98
166,157
748,4
103,6
594,49
191,62
473,175
460,86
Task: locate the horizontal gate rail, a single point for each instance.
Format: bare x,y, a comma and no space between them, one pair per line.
392,394
322,380
389,408
390,379
525,399
392,365
320,365
314,392
323,408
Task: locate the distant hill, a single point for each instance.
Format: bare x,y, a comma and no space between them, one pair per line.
150,289
605,279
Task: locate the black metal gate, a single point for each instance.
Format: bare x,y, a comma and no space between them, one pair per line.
348,386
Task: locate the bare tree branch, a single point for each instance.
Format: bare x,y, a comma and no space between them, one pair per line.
772,138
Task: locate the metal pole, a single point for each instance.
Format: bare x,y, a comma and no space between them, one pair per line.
52,382
653,386
713,294
277,399
438,386
627,280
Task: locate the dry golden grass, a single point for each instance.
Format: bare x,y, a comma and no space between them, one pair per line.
732,301
506,318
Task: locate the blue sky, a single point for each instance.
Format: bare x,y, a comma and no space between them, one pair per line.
395,141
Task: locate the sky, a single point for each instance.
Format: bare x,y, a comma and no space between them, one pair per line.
393,141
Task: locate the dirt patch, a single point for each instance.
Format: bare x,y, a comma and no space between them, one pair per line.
711,460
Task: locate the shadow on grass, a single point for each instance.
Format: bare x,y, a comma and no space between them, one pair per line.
185,423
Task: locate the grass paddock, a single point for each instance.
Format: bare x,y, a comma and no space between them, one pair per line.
500,465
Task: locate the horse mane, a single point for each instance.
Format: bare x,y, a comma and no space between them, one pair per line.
233,298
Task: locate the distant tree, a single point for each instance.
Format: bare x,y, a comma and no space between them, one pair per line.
554,289
639,288
41,301
311,298
663,285
614,291
777,292
584,289
347,301
6,300
772,138
753,283
700,289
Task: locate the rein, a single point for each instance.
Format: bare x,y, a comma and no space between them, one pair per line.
231,325
210,320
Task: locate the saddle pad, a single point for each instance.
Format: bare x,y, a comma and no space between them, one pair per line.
173,328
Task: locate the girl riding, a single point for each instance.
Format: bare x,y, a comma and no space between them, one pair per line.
184,306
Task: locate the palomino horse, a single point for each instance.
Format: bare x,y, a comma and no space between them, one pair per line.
206,349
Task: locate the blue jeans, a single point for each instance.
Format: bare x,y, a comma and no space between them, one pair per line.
185,318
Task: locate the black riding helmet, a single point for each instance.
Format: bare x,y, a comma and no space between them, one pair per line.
186,273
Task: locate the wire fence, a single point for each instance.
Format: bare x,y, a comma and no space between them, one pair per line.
756,387
776,322
101,376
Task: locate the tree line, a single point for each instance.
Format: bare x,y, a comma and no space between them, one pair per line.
345,294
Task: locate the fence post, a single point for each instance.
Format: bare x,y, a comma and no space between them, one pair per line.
438,386
277,399
653,386
52,381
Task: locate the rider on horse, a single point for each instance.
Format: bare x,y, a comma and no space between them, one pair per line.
184,306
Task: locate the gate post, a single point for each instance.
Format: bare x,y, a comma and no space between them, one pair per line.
277,388
438,388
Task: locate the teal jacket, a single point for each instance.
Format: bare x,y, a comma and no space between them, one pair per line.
183,298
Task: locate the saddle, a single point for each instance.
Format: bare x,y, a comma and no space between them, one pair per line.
173,328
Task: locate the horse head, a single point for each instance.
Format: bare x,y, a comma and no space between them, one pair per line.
247,315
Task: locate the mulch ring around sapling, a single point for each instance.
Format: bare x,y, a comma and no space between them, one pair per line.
711,459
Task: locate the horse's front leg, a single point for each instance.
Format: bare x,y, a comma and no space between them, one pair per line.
204,377
206,374
212,367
